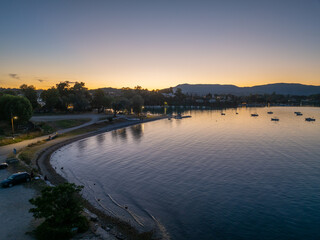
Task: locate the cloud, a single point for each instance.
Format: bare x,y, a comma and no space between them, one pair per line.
40,80
14,75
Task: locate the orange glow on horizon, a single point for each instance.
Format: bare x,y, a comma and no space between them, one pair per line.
94,85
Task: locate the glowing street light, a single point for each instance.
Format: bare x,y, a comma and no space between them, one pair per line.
13,118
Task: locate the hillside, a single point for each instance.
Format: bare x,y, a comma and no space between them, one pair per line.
278,88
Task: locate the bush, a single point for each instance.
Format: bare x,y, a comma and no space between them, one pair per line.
25,157
61,208
46,232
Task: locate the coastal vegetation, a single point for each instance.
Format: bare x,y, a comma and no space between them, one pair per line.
61,208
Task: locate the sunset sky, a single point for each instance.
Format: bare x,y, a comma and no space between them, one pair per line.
158,44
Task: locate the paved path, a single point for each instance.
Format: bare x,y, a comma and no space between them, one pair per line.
5,150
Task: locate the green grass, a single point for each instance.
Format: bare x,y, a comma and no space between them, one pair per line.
28,154
69,123
90,128
45,128
21,137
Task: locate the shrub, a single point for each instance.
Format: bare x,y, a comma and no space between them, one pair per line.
25,157
61,208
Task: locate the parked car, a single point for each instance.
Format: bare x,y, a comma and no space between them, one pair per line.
3,165
12,160
16,178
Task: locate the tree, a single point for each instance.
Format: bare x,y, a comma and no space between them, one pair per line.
51,97
61,209
100,100
80,97
15,106
179,95
63,88
9,92
121,103
64,92
137,103
31,94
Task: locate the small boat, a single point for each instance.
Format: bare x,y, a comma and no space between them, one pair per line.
298,113
254,115
275,119
223,114
310,119
270,112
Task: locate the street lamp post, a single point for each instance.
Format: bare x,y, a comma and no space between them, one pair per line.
12,118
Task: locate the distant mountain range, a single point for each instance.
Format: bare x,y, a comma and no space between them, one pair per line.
278,88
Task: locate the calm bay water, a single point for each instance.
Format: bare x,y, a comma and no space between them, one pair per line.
207,177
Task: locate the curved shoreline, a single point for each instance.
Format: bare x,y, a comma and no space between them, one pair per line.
46,169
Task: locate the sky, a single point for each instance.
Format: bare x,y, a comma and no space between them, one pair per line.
158,43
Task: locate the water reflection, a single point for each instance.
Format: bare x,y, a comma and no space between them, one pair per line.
121,133
100,138
82,145
137,131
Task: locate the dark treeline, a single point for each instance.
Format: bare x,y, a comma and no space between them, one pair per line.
66,96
